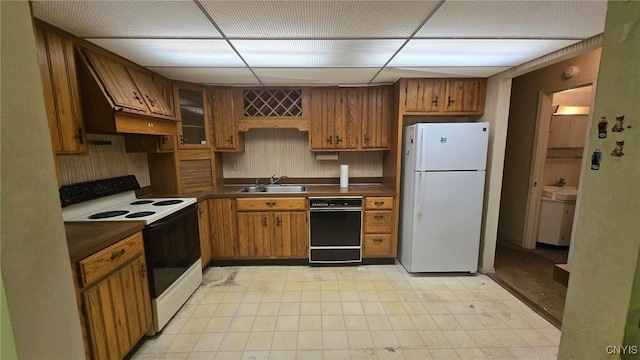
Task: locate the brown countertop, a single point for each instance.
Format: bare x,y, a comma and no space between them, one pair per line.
312,190
87,238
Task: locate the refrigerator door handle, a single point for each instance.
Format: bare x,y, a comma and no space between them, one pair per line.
419,194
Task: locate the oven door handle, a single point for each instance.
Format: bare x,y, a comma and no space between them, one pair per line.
174,217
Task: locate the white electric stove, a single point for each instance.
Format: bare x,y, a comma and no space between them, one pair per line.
171,238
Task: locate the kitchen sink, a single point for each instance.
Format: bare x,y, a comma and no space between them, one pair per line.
275,189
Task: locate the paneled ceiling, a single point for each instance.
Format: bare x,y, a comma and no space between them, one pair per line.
310,42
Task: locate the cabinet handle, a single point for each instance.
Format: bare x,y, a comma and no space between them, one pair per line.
271,203
137,97
435,101
450,101
264,221
278,221
230,140
366,139
330,140
143,271
80,136
338,140
181,139
117,254
379,203
200,211
377,240
151,100
378,217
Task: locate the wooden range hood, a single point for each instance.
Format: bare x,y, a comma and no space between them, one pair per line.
117,98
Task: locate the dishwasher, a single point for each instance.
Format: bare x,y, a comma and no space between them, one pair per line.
335,230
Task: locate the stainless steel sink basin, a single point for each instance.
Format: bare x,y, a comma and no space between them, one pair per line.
275,189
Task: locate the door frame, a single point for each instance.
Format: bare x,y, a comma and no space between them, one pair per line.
541,140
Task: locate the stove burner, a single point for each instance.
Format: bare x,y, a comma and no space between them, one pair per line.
108,214
167,202
141,202
140,214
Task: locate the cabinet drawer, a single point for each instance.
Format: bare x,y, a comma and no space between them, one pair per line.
377,245
378,203
261,204
103,262
378,222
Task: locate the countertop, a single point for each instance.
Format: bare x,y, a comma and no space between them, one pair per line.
312,190
87,238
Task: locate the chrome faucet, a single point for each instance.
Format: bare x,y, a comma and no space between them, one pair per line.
274,180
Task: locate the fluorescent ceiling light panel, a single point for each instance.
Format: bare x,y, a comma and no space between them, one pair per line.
314,19
316,53
523,19
449,53
315,76
171,19
152,52
203,75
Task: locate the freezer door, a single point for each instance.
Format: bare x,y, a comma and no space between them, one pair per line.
446,221
451,146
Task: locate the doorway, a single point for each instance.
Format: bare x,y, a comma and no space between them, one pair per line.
527,267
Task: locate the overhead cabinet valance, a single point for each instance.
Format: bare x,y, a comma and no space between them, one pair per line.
118,98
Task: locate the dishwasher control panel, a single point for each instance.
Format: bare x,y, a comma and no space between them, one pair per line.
335,202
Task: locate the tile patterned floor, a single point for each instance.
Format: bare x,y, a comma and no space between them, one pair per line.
364,312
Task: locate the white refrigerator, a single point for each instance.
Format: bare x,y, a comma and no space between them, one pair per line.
443,171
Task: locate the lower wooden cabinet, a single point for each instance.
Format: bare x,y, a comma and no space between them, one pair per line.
222,226
205,234
378,240
274,235
115,307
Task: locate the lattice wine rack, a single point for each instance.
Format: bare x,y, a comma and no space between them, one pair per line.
272,103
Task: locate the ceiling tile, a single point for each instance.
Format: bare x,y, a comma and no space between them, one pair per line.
305,19
525,19
211,75
151,52
451,53
316,53
172,19
393,74
315,76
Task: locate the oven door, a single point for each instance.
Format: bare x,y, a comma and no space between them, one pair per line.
172,245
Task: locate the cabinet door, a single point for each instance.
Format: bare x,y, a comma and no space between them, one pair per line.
348,111
463,96
322,115
376,118
224,134
196,170
205,237
118,311
291,235
62,99
151,93
222,215
193,129
423,95
568,131
117,82
254,234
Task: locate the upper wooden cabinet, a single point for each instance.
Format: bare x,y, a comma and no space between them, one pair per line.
61,94
193,113
224,132
349,119
117,98
443,96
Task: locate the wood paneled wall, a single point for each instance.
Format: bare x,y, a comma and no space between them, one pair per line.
286,152
103,161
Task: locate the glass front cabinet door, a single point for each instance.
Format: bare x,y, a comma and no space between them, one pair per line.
193,132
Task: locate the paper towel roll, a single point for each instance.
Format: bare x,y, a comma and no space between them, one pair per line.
344,176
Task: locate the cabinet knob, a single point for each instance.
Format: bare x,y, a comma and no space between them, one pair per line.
366,139
230,140
330,140
181,139
143,271
117,254
338,140
278,221
435,101
152,101
379,203
271,203
137,97
80,136
264,221
378,217
450,101
377,240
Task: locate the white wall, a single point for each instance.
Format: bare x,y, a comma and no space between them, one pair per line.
35,259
